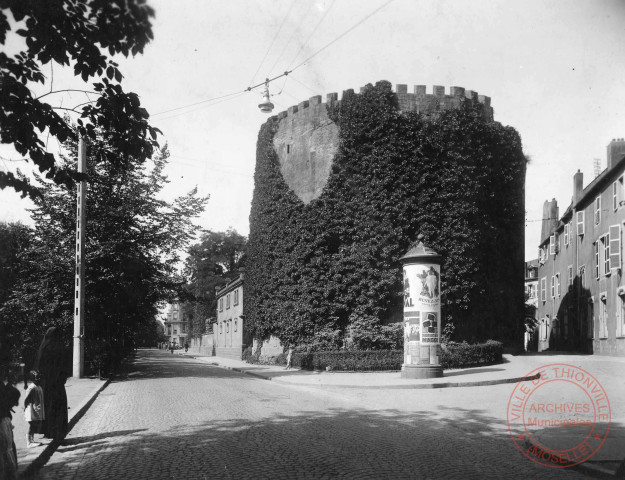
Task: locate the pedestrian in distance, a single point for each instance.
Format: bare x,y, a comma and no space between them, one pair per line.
171,348
51,363
186,347
34,410
289,358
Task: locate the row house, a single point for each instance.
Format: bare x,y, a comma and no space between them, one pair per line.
228,333
581,291
176,326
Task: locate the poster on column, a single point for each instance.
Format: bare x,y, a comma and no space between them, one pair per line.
422,300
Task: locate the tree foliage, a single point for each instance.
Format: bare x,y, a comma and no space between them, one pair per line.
14,240
317,270
85,35
217,256
132,247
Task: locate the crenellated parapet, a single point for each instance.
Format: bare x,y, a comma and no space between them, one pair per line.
416,101
307,140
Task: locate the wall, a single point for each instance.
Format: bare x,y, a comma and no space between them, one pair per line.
270,348
203,345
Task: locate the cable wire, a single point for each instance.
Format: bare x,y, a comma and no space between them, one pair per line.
313,32
272,42
288,42
343,34
269,80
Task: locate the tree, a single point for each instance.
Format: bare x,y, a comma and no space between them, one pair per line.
133,240
14,240
216,257
83,34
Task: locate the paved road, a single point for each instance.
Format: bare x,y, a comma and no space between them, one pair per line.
176,417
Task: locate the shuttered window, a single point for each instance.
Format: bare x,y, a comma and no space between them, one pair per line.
615,247
580,223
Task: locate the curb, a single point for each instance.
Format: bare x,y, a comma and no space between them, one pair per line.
39,459
478,383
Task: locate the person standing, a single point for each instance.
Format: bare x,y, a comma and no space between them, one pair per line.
51,363
289,358
34,410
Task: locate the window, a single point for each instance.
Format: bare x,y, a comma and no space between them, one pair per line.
591,319
552,245
236,297
597,261
620,319
175,331
615,247
236,325
221,327
567,228
617,194
580,223
603,316
598,210
221,304
227,301
570,275
553,286
605,244
558,289
543,289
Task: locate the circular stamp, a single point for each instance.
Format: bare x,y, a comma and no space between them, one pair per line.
558,415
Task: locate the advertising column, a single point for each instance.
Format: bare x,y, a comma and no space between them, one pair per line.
422,312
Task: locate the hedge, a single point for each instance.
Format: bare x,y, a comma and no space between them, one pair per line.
462,355
350,360
453,355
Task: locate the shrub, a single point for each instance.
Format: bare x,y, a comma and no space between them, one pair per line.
461,355
367,334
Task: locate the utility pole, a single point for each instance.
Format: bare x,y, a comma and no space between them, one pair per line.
79,300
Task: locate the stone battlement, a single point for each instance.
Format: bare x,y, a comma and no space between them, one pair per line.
417,101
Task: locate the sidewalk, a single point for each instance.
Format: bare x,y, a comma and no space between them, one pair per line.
511,371
80,395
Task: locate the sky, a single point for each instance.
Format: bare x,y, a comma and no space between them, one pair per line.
554,70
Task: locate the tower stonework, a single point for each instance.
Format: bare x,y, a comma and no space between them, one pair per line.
307,140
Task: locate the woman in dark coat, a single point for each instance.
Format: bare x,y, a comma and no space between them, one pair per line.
51,364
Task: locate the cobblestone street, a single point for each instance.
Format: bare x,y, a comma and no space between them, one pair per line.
176,417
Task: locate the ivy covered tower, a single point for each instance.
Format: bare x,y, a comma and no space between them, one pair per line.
343,187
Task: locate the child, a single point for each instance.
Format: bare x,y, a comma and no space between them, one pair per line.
34,411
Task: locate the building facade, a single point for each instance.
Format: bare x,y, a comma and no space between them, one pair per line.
176,326
228,333
581,291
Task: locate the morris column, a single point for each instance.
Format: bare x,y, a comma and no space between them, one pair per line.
422,312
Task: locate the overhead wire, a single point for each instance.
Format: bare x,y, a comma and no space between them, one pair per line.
325,14
269,80
367,17
273,41
288,42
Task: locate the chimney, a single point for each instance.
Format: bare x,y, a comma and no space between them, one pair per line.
550,219
578,186
616,151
